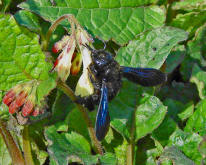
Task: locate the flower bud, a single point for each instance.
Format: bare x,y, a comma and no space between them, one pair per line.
22,100
60,44
76,64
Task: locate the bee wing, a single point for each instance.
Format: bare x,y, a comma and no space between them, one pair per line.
144,76
103,118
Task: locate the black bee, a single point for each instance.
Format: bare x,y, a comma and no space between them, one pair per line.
106,76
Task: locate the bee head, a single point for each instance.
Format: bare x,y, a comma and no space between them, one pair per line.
100,57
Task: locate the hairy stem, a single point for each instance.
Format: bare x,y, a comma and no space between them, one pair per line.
27,146
14,151
88,121
70,18
131,145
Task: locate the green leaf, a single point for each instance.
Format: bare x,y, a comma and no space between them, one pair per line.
186,67
199,78
149,116
4,5
108,158
40,155
188,143
65,148
122,107
28,19
4,154
151,48
23,60
177,110
182,92
174,107
121,24
202,149
176,156
77,123
189,22
121,151
146,152
61,108
149,113
196,51
187,111
4,112
189,5
196,123
164,131
196,47
175,58
104,3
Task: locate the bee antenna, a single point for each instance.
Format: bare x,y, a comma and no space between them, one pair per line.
88,47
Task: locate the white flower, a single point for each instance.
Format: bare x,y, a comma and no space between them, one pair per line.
84,86
63,63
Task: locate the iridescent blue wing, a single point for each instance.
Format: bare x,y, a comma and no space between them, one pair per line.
102,119
144,76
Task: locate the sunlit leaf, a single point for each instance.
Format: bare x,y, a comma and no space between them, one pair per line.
118,21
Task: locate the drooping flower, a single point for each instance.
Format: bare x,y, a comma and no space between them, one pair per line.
71,61
63,63
84,86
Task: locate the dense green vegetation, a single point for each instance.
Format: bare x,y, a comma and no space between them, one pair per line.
164,124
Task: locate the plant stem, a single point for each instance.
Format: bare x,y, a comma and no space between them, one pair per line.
131,145
70,18
14,151
27,146
67,90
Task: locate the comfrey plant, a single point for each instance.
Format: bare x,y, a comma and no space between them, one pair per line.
22,99
72,53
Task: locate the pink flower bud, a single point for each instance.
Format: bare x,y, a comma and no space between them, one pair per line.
9,97
20,99
27,108
13,107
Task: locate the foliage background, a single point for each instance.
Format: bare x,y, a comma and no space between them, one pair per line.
165,124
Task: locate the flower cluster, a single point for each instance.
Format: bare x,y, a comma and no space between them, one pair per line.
21,99
73,54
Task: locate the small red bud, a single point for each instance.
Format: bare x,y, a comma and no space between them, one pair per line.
27,108
20,99
55,49
9,97
35,112
13,107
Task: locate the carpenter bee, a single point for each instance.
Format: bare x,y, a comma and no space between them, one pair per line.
106,76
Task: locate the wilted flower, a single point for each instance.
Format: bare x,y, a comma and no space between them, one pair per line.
22,98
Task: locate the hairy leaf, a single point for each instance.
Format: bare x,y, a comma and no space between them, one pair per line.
23,60
151,48
119,22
